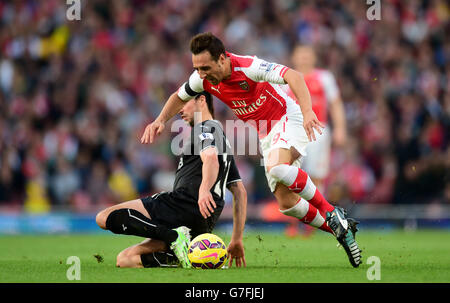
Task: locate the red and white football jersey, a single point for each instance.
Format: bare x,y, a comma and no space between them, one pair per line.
323,90
253,91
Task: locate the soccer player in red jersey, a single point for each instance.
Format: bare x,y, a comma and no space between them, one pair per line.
325,98
250,86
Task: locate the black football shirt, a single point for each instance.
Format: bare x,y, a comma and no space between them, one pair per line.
207,134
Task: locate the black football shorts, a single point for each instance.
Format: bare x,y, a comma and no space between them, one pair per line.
172,211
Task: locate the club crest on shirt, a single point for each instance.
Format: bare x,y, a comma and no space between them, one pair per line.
244,85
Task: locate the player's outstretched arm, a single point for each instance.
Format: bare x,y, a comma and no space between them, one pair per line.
337,114
298,86
236,246
173,105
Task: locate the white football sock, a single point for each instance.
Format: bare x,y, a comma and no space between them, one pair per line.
298,211
301,210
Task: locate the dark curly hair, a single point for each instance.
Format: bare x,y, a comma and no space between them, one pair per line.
209,42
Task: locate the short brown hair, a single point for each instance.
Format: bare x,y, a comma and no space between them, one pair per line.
209,42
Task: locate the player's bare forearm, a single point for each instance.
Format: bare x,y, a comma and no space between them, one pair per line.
239,209
236,246
210,168
172,107
298,86
337,114
210,171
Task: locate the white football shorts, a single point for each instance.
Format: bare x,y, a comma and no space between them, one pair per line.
287,132
317,162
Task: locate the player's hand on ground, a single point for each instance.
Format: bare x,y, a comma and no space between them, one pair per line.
311,123
236,253
206,203
151,131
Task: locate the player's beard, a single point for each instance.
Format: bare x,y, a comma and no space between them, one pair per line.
213,81
189,122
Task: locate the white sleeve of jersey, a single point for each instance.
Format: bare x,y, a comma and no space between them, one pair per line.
330,86
191,88
263,71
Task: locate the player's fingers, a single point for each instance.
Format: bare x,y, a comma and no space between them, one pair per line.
318,130
144,135
318,127
313,134
151,134
321,124
202,210
238,262
160,129
308,133
213,202
210,204
206,213
210,208
243,261
156,131
205,209
233,259
230,264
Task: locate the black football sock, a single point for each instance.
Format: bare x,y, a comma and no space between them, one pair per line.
159,259
129,221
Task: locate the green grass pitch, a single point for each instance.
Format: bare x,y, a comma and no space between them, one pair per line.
421,256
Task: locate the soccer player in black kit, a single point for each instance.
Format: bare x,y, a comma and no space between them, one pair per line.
169,219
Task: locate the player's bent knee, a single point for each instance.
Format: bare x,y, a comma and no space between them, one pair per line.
122,259
100,219
278,172
126,259
121,262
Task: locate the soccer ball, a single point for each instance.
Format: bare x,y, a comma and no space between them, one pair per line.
207,251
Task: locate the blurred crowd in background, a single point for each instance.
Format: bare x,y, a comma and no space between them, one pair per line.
75,96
